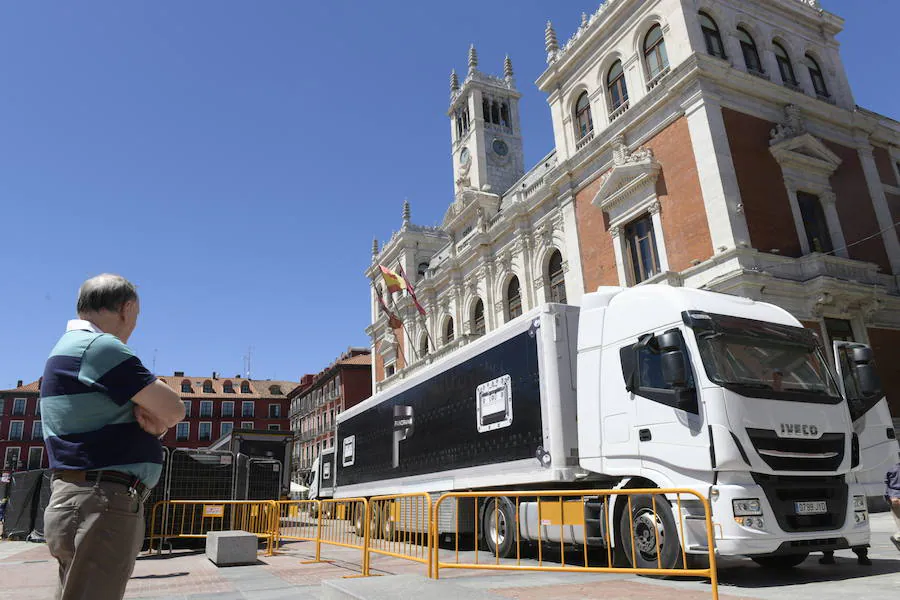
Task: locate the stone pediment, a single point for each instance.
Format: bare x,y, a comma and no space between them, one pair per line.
632,175
793,146
471,208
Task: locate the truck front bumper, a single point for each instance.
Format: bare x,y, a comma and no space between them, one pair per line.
790,530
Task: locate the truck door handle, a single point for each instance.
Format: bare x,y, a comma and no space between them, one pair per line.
644,435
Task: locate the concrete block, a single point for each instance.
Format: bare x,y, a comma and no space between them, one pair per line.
226,548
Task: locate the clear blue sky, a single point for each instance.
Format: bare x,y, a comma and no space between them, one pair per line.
235,159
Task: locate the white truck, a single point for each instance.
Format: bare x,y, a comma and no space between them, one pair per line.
644,387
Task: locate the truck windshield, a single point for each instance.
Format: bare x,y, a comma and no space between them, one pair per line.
765,360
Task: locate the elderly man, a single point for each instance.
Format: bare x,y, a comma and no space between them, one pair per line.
102,413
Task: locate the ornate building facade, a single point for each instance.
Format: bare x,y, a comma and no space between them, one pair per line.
704,143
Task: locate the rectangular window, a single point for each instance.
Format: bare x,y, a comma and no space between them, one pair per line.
35,457
19,407
246,424
274,427
182,431
16,429
839,330
37,431
814,222
225,428
205,430
11,461
247,409
37,407
187,408
228,408
2,406
274,411
640,242
206,408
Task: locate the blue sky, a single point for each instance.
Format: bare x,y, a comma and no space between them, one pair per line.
235,159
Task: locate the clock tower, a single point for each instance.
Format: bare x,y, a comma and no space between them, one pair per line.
484,128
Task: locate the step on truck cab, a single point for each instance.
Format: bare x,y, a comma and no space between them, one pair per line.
644,387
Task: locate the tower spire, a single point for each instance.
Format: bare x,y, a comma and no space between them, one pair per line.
454,82
406,214
473,59
550,43
374,248
507,68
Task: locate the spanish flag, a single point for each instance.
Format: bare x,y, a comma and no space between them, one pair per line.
393,281
411,291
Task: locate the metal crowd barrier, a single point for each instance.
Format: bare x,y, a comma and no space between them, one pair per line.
339,524
297,520
400,526
194,519
558,517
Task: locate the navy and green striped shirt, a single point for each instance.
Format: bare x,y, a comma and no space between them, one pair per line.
86,408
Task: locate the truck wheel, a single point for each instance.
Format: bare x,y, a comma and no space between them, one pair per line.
374,521
359,521
650,532
499,526
784,561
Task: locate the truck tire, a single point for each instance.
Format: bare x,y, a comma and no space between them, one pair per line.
784,561
359,521
648,532
499,537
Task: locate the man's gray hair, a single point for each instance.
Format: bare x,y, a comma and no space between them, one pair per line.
105,291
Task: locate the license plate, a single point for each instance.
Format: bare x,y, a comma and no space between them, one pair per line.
811,508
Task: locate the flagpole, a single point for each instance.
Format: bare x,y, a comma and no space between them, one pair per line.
405,332
419,309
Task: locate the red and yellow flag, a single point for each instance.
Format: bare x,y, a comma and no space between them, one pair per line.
393,281
412,293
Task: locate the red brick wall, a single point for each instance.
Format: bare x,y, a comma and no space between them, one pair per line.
855,208
685,227
886,347
357,385
260,419
761,183
885,168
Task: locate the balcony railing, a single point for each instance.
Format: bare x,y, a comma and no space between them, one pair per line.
618,112
585,139
657,78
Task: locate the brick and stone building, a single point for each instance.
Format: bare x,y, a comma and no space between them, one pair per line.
318,399
705,143
21,438
217,405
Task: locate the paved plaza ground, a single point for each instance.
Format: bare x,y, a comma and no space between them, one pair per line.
27,572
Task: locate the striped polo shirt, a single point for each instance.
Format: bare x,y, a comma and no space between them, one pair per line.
86,409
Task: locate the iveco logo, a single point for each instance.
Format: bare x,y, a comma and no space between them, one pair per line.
798,430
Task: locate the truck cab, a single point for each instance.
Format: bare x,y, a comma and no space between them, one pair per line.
321,476
686,388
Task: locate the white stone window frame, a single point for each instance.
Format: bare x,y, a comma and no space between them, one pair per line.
230,413
206,404
252,404
247,425
200,430
34,425
187,429
15,403
223,425
807,166
40,460
21,435
9,450
628,192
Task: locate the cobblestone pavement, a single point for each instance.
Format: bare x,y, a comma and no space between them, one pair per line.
27,572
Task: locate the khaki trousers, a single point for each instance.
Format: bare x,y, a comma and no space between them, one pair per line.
95,532
895,510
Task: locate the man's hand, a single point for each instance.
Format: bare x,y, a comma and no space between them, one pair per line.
148,422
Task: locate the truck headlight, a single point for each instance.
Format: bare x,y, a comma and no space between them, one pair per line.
859,503
746,507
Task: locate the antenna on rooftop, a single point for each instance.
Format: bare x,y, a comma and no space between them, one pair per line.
247,359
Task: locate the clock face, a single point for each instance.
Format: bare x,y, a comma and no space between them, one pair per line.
500,147
464,156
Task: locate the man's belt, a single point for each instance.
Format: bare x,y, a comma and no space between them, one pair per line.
133,484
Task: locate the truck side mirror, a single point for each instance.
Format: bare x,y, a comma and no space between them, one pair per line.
869,382
674,368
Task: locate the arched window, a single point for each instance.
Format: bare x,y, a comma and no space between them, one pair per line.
495,112
275,390
486,109
751,54
556,279
711,36
784,64
655,52
207,387
504,115
245,387
478,318
815,73
186,387
423,345
422,269
615,85
448,330
584,124
513,299
227,387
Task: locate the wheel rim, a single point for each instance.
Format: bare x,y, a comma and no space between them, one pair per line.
647,529
497,526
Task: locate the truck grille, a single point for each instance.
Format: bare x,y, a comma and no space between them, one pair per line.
783,492
790,454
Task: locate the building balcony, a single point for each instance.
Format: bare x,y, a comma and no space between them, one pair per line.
815,265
